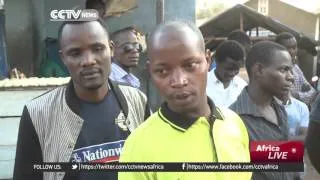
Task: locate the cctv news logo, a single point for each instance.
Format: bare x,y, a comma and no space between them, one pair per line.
74,15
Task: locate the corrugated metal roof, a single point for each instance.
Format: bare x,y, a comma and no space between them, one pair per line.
226,22
33,82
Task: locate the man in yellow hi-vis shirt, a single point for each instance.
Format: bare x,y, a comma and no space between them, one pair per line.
188,127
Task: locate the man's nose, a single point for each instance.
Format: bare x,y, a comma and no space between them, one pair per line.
290,77
134,50
178,79
88,59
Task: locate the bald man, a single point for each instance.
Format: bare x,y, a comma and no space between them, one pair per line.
188,127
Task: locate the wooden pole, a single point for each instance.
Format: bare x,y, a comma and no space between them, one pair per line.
160,11
241,21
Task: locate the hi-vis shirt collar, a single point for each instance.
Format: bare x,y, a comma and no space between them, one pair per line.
182,122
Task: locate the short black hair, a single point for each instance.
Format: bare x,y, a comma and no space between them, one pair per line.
101,22
262,52
240,37
231,49
126,29
176,26
283,36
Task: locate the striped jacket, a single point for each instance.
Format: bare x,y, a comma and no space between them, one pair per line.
50,126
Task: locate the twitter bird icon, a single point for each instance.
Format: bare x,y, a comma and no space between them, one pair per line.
74,166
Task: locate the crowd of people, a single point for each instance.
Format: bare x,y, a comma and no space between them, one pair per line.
212,110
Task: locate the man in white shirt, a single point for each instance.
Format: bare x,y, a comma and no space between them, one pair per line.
242,38
223,84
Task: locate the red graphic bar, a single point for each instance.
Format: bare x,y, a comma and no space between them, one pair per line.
276,151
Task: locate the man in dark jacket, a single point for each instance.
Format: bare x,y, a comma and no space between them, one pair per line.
86,121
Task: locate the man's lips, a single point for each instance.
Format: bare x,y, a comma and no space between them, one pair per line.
181,95
90,73
133,58
287,88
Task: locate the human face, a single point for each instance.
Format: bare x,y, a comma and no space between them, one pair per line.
127,49
291,45
227,69
179,69
277,77
86,53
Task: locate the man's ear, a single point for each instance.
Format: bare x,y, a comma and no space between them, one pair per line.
257,70
111,46
148,64
208,55
62,56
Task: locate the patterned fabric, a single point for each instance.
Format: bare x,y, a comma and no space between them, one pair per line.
120,75
58,127
260,129
298,116
299,80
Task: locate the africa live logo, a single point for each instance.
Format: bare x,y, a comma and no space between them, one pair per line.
276,151
100,153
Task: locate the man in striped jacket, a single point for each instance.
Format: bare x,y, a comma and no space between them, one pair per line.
86,121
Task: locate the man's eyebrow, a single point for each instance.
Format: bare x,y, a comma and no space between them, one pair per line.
97,44
74,48
192,58
285,66
160,64
136,42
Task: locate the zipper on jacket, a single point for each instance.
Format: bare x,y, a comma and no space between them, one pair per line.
211,120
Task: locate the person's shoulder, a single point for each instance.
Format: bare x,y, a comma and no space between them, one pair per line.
236,106
301,105
141,143
133,93
148,125
145,131
240,82
127,89
211,75
232,120
227,113
46,98
230,116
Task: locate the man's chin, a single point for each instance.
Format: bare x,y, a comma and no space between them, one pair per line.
93,86
132,65
182,106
